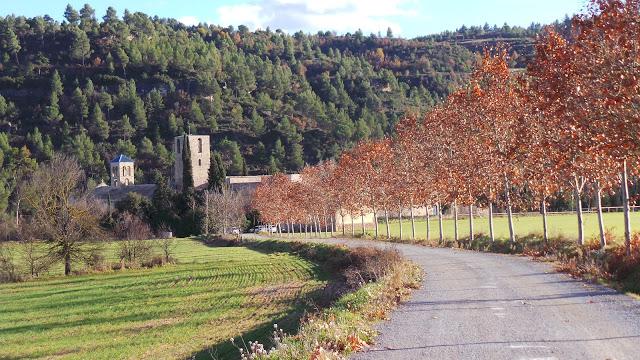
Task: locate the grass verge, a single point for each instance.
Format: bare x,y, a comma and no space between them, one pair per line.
371,282
608,266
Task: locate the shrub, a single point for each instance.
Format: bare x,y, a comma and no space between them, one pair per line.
8,270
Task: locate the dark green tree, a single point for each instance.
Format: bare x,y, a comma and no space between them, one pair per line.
126,130
296,160
80,104
80,47
71,15
217,174
10,42
98,125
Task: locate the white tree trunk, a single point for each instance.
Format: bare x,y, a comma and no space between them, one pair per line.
603,238
353,227
491,233
625,206
400,220
333,229
576,193
471,238
455,221
386,221
375,222
440,223
413,224
507,193
426,208
545,226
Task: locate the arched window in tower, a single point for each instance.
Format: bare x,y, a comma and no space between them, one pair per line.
199,162
200,146
123,171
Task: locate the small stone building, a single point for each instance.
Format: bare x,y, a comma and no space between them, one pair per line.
122,171
200,149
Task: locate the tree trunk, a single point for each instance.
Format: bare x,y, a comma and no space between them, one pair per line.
386,220
470,225
545,227
375,222
67,264
206,202
455,221
400,221
18,213
507,193
491,233
353,227
413,224
426,208
625,206
576,193
441,241
343,232
603,238
362,223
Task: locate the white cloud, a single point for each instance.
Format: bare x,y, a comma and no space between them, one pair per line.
313,15
189,20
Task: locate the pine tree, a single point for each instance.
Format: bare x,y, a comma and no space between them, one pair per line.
71,15
217,174
80,47
279,153
196,113
139,115
273,166
125,127
56,84
257,123
81,105
296,161
162,204
99,126
10,42
52,112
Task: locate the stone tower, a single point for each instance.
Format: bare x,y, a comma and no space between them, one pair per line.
200,159
122,171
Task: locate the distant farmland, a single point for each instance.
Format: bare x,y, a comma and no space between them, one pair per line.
175,311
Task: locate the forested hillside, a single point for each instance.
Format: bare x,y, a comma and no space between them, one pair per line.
272,101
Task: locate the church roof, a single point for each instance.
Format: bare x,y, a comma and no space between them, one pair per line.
121,158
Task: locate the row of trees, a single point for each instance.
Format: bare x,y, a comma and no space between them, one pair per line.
568,125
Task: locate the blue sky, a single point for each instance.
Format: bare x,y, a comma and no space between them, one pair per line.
407,18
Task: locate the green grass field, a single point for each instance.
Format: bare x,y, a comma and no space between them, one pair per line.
175,311
565,225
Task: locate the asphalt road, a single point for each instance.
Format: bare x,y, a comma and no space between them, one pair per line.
488,306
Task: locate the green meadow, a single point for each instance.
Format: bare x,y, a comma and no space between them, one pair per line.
189,309
559,225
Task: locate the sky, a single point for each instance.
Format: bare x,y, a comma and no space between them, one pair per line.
407,18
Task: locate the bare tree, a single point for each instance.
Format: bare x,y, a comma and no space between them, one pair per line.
225,209
63,215
133,233
32,252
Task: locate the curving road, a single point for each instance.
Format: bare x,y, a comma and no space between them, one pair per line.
488,306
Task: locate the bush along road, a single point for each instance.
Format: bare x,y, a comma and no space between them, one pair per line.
489,306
